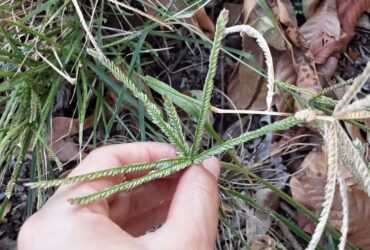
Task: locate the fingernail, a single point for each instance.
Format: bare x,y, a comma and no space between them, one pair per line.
212,165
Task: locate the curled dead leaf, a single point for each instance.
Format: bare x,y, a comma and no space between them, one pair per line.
349,12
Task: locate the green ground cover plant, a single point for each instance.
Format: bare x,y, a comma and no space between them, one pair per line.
48,52
332,132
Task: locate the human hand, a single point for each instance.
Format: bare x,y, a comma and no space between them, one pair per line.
186,202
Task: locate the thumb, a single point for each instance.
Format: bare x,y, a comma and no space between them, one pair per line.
193,216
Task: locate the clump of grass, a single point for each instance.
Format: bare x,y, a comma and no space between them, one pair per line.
187,156
40,54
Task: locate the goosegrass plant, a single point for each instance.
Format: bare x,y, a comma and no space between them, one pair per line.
39,57
42,49
341,152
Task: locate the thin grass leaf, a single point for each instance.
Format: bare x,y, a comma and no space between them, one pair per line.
126,186
188,104
106,172
29,30
208,85
154,19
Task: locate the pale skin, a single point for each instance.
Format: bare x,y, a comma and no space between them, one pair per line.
186,203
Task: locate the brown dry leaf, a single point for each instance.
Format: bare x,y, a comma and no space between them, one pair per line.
62,128
235,13
308,185
284,68
349,12
285,72
306,75
354,132
248,7
309,7
258,19
284,11
65,126
202,20
322,31
265,242
270,32
66,150
327,70
245,86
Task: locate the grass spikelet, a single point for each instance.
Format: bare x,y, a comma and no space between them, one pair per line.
208,85
332,143
345,218
356,86
175,122
354,107
25,136
353,161
106,172
358,115
129,185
